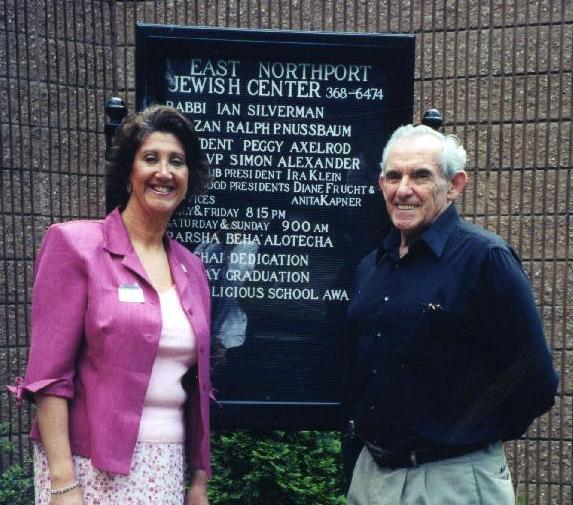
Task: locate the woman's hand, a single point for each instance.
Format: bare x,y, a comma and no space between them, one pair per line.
197,493
195,497
71,497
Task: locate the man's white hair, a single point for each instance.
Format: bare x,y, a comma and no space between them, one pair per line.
451,160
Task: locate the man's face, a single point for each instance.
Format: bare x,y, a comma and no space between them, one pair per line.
415,190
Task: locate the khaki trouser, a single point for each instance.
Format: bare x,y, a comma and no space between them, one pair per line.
477,478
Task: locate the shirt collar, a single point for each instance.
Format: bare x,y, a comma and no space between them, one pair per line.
435,236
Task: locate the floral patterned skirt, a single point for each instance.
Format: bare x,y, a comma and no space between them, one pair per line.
157,476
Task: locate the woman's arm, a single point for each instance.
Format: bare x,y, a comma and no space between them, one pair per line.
52,415
197,386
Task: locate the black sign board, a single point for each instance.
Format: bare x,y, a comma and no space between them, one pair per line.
293,124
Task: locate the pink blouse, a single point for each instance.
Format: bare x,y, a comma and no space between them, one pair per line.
162,420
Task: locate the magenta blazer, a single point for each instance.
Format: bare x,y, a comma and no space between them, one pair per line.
98,352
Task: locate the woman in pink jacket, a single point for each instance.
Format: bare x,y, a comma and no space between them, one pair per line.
119,358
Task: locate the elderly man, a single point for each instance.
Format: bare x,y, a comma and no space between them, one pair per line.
447,353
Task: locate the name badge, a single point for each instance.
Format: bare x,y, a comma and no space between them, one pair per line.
130,293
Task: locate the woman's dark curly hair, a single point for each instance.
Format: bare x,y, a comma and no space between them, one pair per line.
131,134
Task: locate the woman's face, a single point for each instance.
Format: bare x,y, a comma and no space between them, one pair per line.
159,176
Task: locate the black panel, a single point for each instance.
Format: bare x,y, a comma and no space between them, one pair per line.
294,124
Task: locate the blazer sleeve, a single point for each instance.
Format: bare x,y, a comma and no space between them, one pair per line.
59,301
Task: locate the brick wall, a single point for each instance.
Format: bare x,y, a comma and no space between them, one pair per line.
500,71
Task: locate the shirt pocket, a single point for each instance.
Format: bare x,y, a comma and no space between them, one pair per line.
439,338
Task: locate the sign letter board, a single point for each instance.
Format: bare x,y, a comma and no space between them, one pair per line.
293,125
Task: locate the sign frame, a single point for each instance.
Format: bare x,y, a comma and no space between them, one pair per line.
156,43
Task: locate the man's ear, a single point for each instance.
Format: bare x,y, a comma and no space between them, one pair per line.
381,180
457,184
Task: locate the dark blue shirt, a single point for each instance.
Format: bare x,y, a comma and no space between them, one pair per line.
446,346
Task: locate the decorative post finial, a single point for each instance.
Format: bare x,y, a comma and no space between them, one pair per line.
433,118
115,110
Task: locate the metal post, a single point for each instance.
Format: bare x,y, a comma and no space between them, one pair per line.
115,110
351,446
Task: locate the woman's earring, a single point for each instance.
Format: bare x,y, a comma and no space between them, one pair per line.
128,188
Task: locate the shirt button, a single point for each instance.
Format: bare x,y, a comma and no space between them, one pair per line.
372,408
386,298
378,334
375,371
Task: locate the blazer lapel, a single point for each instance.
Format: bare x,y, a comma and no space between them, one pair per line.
180,277
131,262
116,241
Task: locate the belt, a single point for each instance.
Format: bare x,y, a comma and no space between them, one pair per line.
406,459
